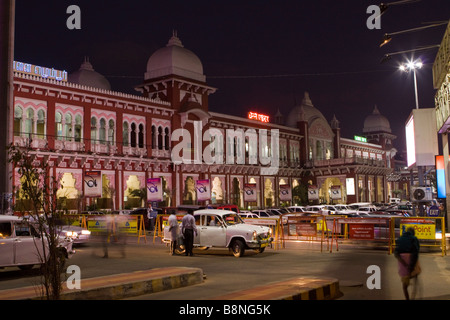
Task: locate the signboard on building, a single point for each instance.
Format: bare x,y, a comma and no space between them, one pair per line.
250,192
154,189
93,183
203,190
335,192
313,192
285,192
440,178
38,71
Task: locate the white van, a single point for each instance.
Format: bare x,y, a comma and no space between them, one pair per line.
394,200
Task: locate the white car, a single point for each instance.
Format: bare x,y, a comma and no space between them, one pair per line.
225,229
22,246
78,234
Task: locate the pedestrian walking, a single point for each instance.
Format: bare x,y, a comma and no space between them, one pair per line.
188,228
174,230
407,253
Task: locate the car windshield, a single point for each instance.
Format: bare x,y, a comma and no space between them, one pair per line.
232,219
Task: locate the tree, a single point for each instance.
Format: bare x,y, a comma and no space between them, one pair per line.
39,188
141,194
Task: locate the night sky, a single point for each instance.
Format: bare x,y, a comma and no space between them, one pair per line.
261,55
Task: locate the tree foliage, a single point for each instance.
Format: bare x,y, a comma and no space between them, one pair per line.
39,188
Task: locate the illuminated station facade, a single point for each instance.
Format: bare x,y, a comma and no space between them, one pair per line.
86,132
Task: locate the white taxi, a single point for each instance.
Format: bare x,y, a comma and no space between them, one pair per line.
22,246
225,229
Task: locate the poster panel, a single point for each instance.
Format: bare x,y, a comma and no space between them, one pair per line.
313,192
285,192
250,192
154,189
336,193
93,183
203,190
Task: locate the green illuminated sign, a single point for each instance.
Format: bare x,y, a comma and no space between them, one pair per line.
362,139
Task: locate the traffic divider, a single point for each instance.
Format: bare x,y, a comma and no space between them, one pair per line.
429,230
114,224
311,228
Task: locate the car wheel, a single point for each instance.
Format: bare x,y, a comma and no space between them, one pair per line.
238,249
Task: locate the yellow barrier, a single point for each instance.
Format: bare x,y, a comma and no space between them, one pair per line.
114,224
311,228
425,230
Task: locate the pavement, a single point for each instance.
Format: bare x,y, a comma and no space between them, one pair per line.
126,285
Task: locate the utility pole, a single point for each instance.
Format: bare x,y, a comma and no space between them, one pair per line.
7,17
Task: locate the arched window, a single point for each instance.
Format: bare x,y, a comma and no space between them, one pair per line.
166,139
93,130
59,126
153,137
102,131
160,138
125,134
111,132
68,126
40,126
141,136
18,115
29,123
78,128
133,135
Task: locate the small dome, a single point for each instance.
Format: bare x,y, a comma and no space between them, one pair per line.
174,59
303,112
87,76
376,122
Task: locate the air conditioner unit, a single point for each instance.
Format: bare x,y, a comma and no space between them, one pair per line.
421,194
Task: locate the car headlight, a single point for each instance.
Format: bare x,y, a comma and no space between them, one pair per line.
255,234
85,232
71,234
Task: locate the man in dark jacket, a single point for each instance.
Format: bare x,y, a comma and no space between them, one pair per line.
407,252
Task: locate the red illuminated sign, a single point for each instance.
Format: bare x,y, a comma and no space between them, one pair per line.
258,116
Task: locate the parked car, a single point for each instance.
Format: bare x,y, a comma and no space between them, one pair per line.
315,209
22,246
277,211
228,231
297,208
264,214
248,215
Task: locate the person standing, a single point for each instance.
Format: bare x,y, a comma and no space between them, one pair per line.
407,253
188,228
173,228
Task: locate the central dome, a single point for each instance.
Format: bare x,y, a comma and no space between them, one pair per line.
376,122
174,59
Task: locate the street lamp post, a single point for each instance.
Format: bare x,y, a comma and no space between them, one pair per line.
413,66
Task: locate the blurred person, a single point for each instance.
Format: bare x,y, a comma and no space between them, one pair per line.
407,253
174,229
188,228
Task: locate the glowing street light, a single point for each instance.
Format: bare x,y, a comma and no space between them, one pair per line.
412,66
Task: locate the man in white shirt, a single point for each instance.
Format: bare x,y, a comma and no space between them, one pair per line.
173,228
188,228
